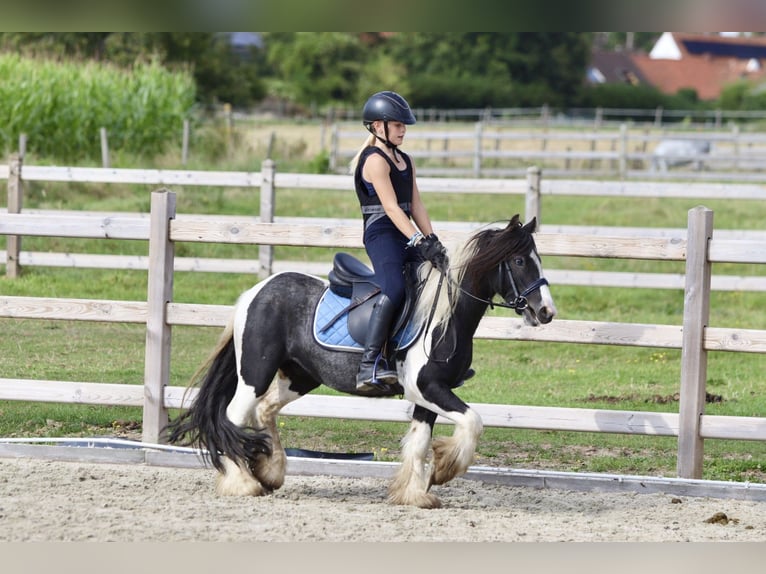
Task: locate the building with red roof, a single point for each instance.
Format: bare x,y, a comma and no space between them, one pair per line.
704,63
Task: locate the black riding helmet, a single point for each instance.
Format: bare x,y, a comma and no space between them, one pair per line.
388,107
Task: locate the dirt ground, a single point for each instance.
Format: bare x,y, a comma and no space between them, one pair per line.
48,501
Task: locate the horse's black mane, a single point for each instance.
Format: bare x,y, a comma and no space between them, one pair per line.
477,258
490,247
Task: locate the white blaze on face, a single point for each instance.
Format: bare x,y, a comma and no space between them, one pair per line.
545,292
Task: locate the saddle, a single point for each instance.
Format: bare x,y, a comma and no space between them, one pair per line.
346,305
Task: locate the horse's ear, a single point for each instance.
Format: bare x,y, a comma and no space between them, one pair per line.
531,226
514,223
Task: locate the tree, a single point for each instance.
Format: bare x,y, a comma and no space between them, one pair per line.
635,41
316,67
499,68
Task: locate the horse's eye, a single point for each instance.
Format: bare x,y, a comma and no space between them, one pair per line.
519,261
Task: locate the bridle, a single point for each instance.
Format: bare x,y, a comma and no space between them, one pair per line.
520,301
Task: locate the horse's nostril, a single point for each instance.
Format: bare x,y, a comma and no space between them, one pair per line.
546,314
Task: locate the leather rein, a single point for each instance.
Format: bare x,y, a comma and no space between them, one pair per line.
519,303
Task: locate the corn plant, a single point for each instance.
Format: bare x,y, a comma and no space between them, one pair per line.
61,106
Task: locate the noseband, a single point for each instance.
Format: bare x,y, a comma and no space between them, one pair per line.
520,301
518,304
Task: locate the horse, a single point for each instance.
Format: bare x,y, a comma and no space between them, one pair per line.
676,152
268,356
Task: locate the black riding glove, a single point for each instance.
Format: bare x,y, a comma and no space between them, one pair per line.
432,250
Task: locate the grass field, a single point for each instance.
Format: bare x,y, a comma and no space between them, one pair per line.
523,373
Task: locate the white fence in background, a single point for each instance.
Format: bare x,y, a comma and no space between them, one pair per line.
532,189
163,229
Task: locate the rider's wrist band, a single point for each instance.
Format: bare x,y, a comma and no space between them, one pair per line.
415,239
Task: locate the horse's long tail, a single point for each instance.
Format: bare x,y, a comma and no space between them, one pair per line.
205,423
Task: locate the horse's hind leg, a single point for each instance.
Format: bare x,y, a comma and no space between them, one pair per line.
237,477
263,474
410,485
270,471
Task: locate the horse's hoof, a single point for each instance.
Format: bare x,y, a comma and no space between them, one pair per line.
421,500
239,485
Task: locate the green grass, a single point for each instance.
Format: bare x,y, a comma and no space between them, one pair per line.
508,372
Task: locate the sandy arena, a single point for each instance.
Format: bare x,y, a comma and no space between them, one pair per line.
44,500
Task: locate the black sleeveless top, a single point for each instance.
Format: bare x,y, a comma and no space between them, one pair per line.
401,180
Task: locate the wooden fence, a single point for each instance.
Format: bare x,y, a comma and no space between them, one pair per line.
533,188
699,250
493,149
544,117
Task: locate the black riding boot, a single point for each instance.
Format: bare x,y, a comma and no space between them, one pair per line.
373,369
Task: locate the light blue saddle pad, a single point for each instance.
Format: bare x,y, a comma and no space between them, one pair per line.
337,337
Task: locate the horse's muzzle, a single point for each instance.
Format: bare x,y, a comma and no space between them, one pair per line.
546,314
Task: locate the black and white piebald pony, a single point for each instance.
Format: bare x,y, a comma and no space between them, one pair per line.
268,357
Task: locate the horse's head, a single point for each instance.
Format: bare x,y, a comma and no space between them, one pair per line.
506,263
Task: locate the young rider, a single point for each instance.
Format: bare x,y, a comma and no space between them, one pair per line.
397,227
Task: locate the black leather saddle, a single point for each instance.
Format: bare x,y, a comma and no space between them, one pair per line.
352,279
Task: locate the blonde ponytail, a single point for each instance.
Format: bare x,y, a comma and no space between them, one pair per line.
355,160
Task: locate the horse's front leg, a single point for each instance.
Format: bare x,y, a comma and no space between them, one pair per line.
452,455
410,485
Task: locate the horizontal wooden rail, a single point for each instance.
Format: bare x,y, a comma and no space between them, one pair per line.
247,231
397,410
652,189
496,328
153,177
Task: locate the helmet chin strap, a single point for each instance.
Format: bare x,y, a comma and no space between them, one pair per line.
385,141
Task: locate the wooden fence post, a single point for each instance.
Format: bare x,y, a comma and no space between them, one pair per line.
185,143
158,332
104,148
545,115
693,353
532,203
478,128
334,150
323,137
22,146
15,198
228,127
623,151
266,252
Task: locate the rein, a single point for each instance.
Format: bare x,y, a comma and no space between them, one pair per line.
520,301
518,304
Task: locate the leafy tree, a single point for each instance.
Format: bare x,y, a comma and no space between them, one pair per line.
501,67
641,41
316,67
221,74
